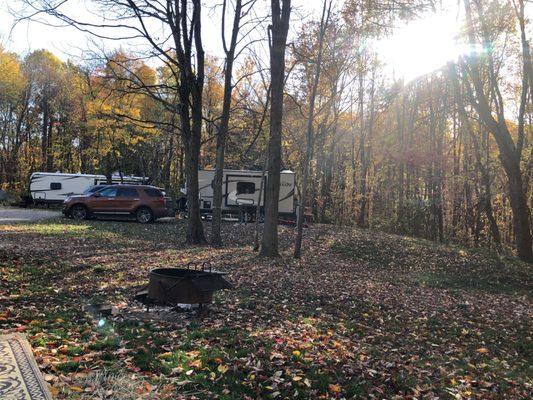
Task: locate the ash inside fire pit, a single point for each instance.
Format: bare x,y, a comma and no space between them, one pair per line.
173,286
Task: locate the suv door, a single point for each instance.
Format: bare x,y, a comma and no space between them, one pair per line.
155,199
127,199
104,200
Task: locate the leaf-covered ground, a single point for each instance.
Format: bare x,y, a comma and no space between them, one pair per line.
361,315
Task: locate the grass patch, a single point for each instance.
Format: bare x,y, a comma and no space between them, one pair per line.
429,264
67,367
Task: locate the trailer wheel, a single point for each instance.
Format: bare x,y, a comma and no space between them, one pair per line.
247,217
79,212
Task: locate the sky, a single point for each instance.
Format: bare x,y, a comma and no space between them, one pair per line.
415,48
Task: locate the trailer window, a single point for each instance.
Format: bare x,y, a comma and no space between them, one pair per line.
245,188
55,186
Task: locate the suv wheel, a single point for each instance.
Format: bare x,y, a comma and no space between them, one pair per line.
144,215
79,212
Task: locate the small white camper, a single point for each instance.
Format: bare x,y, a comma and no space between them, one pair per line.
240,190
55,187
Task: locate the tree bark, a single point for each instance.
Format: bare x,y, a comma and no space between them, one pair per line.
279,29
190,89
362,220
310,133
216,238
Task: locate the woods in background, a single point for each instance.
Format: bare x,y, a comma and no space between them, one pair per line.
447,157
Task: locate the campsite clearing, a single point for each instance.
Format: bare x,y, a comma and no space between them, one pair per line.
362,313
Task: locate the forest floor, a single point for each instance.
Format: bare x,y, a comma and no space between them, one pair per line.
362,315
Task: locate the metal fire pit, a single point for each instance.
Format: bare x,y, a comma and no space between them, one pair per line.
194,284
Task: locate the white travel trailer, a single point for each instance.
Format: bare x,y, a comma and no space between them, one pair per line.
240,190
54,187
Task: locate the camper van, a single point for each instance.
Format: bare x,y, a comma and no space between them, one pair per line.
55,187
240,192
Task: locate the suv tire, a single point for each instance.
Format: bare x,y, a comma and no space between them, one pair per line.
144,215
79,212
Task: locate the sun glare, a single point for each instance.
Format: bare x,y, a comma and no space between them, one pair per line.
423,45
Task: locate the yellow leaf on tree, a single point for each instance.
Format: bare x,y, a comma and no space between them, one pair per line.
482,350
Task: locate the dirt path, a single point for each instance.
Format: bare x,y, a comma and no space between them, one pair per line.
9,215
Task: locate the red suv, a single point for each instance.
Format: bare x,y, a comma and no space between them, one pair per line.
145,203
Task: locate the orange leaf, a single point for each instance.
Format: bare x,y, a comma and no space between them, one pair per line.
334,388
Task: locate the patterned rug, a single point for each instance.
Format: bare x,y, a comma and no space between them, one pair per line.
20,378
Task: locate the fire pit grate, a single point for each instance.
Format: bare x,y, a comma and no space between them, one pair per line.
193,284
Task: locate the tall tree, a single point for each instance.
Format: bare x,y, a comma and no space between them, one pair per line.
278,31
310,137
216,238
13,106
482,96
181,50
190,89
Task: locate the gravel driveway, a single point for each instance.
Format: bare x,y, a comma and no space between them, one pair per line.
9,215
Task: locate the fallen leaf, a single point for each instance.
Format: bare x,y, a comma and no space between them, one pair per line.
222,369
334,388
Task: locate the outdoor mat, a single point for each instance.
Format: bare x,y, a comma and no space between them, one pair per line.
20,378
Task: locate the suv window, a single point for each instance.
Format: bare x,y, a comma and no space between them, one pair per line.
153,192
109,192
245,188
93,189
127,192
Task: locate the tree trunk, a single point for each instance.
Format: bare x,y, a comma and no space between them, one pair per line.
216,238
310,134
44,138
258,209
279,30
509,152
362,221
195,230
190,90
